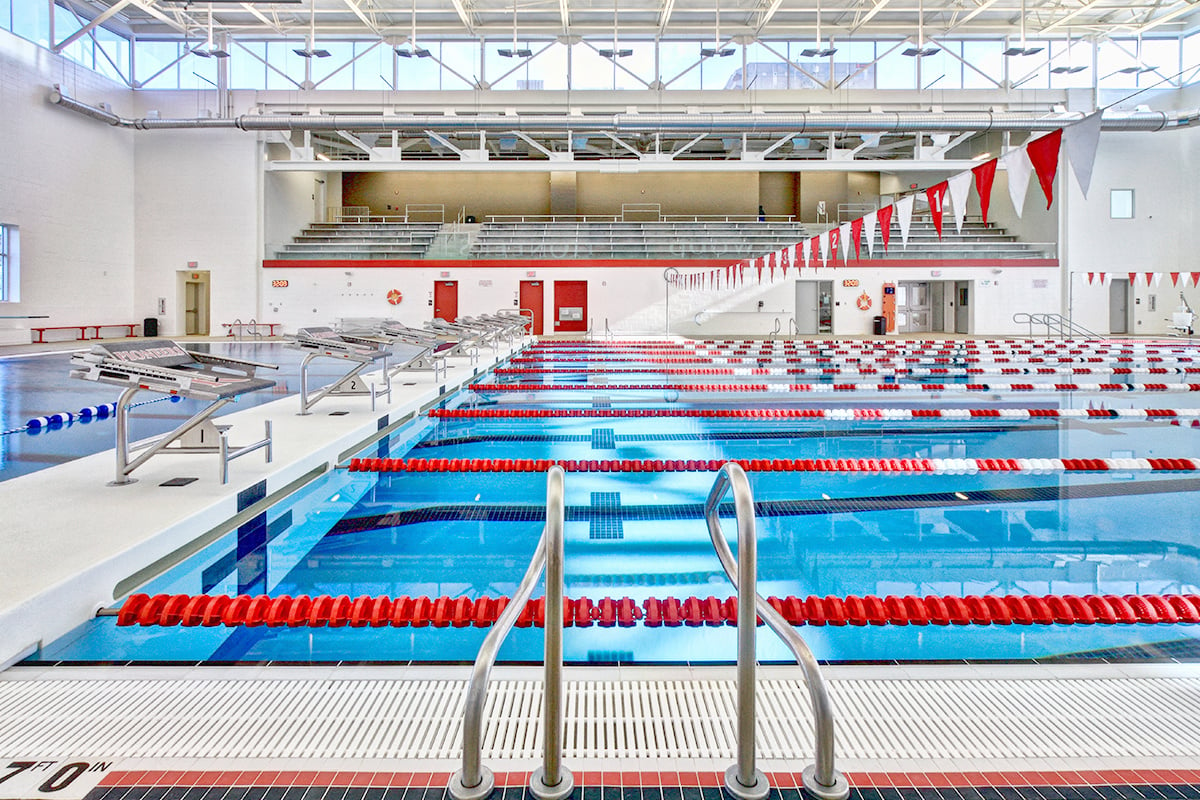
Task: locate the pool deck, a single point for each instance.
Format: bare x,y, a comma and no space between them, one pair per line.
393,732
69,539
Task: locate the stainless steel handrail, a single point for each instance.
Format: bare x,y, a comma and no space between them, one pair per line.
1056,324
551,781
742,780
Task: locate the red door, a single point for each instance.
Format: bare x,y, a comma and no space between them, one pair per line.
531,299
570,306
445,300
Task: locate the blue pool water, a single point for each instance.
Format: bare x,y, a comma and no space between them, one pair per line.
642,535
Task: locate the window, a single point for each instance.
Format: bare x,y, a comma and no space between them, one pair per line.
1120,203
9,272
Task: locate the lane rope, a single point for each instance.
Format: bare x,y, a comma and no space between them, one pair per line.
606,612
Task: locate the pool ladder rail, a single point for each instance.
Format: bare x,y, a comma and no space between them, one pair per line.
551,781
743,781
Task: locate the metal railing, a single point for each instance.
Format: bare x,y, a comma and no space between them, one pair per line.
1055,324
551,781
560,218
742,780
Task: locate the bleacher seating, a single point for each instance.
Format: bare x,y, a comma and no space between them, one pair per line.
977,241
362,240
618,239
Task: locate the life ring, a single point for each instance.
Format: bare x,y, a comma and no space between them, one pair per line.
394,297
863,301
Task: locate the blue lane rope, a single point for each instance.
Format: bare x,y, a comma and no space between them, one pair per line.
84,415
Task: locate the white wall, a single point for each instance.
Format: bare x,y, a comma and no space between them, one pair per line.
633,300
1162,236
198,200
67,181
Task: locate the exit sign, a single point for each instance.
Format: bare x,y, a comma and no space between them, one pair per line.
850,283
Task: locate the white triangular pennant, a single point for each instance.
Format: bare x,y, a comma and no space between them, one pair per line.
1157,279
844,240
1019,169
904,209
870,221
823,242
1082,140
960,190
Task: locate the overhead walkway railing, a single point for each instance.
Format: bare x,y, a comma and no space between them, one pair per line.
743,780
551,781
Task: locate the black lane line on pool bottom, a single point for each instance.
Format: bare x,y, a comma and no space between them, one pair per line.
764,508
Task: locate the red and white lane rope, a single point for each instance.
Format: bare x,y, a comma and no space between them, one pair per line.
827,388
883,466
848,371
819,413
461,612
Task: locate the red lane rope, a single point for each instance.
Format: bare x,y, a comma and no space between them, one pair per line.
935,466
809,413
461,612
838,387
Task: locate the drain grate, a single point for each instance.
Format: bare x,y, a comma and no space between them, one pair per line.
366,717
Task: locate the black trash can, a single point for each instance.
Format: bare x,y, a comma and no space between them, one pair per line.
880,326
150,326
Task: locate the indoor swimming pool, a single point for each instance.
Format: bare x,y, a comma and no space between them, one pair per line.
460,514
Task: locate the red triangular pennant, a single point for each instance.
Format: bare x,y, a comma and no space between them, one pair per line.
1149,277
1043,154
1196,279
937,202
1174,278
835,240
856,227
816,250
1091,275
985,174
884,215
760,269
1132,278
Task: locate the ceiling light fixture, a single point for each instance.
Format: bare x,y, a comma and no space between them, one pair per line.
310,49
818,51
716,51
515,52
920,51
616,51
1022,50
209,49
1070,68
411,48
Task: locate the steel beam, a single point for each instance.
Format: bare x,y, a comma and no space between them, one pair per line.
99,20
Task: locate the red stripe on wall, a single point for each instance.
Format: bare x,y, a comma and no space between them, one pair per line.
682,263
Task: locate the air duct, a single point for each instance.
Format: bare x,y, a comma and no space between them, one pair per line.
850,122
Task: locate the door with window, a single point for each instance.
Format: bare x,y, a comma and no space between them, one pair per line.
445,300
530,299
962,306
913,307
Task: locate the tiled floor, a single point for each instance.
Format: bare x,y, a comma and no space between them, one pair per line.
648,785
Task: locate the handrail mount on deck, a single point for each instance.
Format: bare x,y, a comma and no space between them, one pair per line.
742,780
551,781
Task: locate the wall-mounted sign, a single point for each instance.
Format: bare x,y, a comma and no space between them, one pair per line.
485,283
445,275
850,283
1040,283
935,273
279,284
531,274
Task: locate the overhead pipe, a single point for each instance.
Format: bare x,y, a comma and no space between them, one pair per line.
798,122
